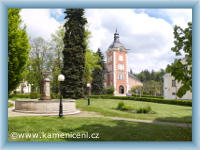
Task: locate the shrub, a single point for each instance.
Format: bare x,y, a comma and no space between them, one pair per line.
110,90
144,110
150,96
19,95
33,95
120,105
127,107
57,96
52,95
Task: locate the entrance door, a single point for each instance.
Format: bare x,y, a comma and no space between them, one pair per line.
121,89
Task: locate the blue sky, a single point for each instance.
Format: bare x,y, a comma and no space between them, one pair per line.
155,13
148,33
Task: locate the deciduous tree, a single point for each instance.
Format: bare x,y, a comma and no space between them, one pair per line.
183,41
18,49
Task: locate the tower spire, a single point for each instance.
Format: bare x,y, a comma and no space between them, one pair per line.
116,36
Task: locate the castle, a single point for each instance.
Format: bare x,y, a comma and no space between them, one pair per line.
117,73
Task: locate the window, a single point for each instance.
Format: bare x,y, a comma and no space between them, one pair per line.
173,83
173,93
120,76
120,58
120,67
110,76
110,58
110,67
185,67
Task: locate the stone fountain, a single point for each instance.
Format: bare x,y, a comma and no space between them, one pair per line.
45,105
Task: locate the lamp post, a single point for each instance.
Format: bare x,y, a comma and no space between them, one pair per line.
88,86
61,78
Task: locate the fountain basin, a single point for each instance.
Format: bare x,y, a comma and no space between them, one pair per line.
45,106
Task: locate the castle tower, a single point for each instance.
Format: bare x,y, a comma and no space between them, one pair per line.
117,66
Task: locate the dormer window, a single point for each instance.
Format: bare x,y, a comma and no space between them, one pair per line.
120,58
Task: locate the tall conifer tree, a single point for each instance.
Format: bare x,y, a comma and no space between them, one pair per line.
74,53
98,76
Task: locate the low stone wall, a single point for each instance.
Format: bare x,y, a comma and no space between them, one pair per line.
45,106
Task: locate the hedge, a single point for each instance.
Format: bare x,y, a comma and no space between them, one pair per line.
152,96
19,95
146,99
22,95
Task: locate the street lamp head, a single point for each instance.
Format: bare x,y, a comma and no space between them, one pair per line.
61,77
88,85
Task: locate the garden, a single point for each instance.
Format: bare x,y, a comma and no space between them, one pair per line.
107,128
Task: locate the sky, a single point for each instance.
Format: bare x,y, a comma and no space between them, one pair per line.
148,33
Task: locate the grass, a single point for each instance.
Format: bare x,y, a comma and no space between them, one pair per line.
10,104
14,98
104,128
164,112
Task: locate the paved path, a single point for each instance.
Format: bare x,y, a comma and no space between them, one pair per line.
12,113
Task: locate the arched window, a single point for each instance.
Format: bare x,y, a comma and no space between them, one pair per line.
120,58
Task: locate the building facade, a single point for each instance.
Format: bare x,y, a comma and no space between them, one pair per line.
171,86
23,88
117,73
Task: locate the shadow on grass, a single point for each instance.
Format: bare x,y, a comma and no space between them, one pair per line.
118,130
185,119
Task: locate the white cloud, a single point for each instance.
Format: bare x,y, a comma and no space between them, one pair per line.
178,17
39,22
149,38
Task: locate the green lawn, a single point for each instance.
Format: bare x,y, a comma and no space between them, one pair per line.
164,112
10,104
14,98
105,129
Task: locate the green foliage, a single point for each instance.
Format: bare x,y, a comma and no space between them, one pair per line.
151,96
39,60
53,96
139,88
152,82
120,105
91,59
19,95
10,105
144,110
146,75
146,99
56,45
98,76
110,90
58,95
18,49
74,53
181,73
127,107
33,95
